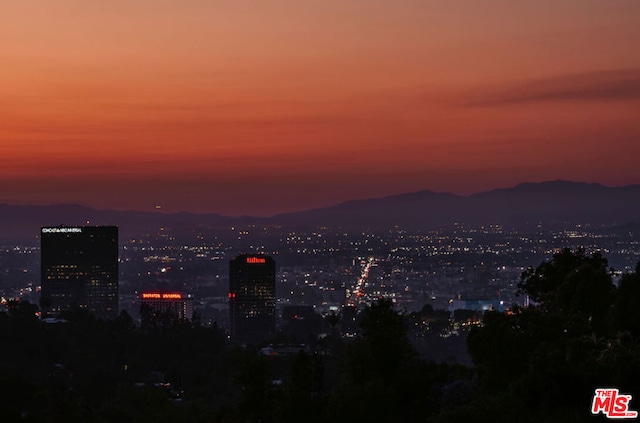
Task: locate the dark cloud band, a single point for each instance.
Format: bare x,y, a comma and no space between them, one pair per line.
612,85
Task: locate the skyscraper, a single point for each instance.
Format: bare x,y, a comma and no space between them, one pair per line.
252,297
79,268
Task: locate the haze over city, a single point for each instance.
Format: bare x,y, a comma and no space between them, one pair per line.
224,107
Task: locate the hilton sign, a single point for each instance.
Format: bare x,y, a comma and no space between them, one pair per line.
256,260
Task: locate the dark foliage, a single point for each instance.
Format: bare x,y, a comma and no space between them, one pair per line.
89,370
540,363
543,363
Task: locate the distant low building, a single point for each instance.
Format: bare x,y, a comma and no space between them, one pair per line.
158,308
476,305
297,312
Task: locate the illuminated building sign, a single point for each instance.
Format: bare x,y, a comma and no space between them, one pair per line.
158,296
61,230
256,260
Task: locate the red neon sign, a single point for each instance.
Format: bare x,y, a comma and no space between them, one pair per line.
158,296
171,296
256,260
231,295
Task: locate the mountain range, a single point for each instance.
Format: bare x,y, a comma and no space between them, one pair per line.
525,204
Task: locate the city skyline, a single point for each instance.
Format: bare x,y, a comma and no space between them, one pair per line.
270,107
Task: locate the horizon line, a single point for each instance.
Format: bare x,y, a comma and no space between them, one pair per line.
158,209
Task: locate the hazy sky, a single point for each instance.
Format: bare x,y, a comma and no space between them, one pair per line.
256,107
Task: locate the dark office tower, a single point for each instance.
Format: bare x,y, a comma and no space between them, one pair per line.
252,297
79,268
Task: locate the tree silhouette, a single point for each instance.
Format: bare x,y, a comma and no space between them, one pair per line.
384,379
572,282
542,363
627,303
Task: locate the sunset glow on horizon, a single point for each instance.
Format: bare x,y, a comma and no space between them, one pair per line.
269,106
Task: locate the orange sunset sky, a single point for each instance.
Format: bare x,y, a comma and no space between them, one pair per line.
258,107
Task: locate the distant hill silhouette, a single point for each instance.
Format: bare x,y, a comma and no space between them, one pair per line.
424,209
524,204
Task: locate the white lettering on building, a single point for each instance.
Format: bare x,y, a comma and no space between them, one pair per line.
61,230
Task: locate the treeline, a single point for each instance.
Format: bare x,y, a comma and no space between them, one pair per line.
543,363
87,370
540,363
